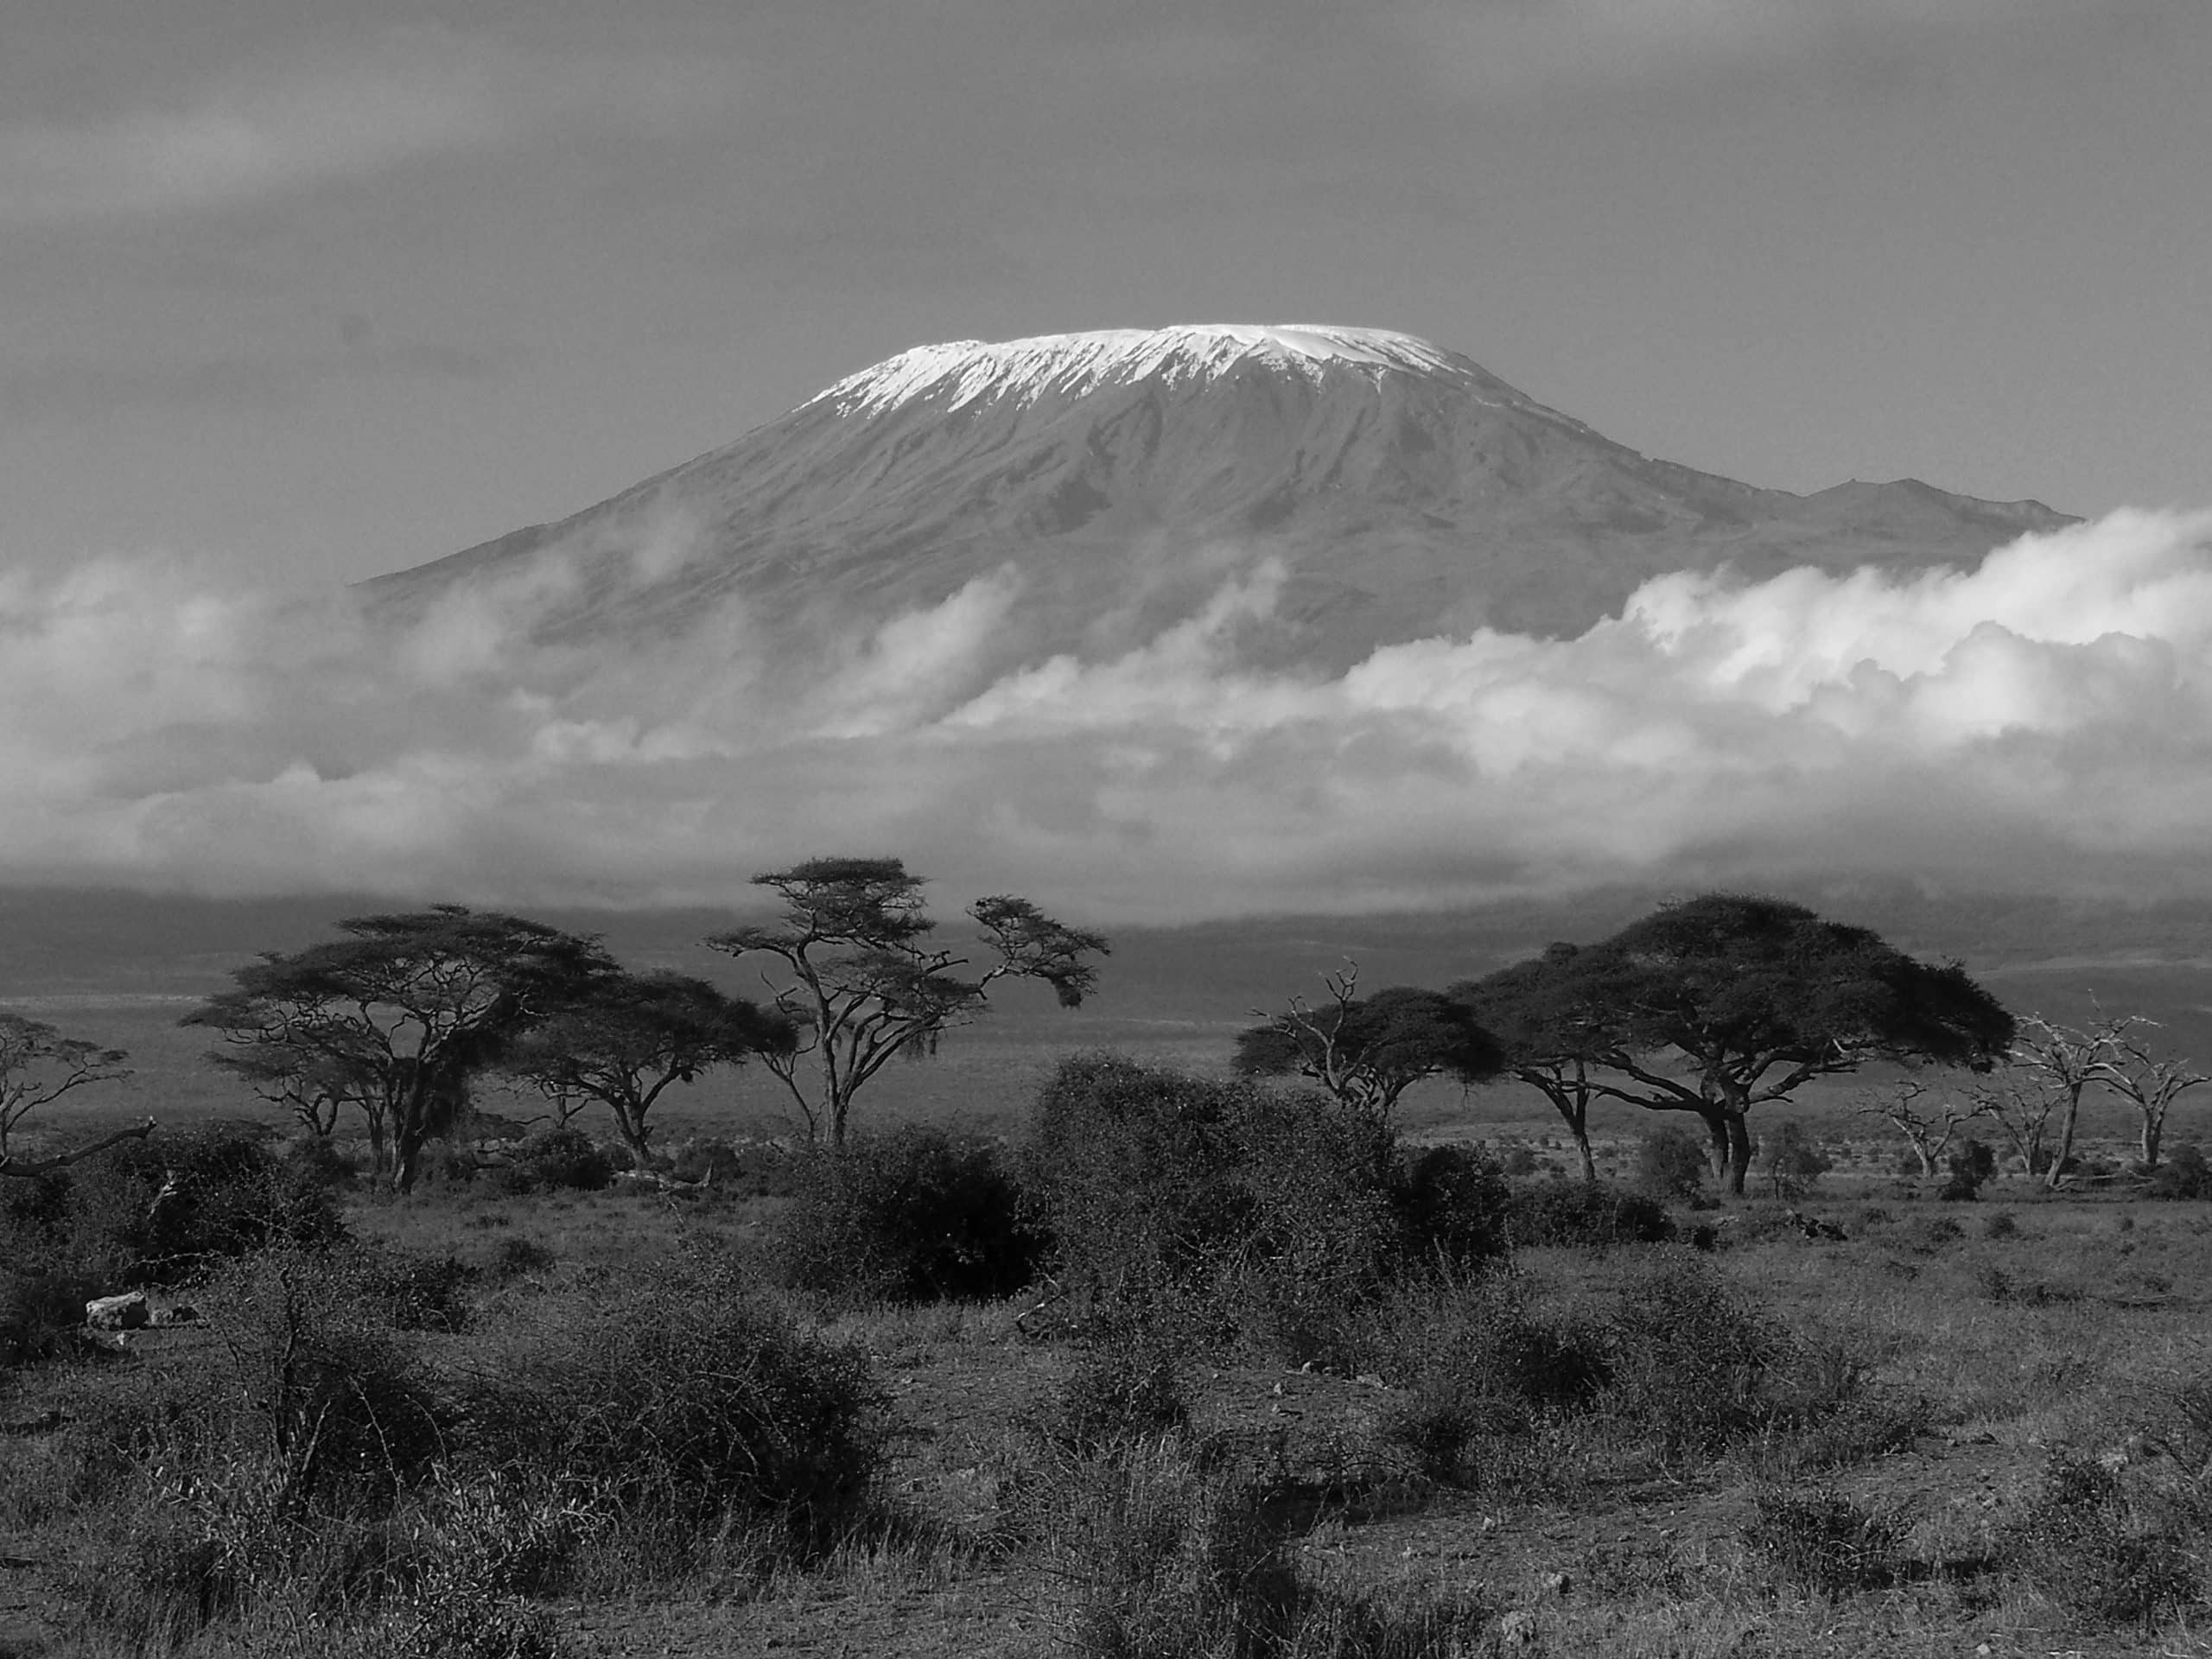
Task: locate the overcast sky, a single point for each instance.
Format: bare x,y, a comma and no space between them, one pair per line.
294,291
343,288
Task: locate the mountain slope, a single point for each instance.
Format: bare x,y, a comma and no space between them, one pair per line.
1404,490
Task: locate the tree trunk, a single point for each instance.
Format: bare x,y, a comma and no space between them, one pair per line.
2154,1131
1716,1130
1582,1150
1739,1152
2057,1172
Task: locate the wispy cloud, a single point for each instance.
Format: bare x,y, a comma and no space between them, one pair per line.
2042,721
1512,47
339,114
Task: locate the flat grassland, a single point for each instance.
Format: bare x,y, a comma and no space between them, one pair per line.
2012,1454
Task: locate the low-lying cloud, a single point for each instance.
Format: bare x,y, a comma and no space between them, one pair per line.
2043,720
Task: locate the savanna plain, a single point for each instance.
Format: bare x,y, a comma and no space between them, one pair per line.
1094,1347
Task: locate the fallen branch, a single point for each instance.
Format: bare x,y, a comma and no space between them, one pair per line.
10,1165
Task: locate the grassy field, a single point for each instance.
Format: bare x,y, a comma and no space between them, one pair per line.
1981,1427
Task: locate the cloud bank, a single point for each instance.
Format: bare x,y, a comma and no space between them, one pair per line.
2042,721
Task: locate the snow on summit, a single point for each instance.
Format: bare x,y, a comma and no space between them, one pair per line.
1026,369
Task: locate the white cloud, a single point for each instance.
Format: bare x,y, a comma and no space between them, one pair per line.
1512,47
2044,719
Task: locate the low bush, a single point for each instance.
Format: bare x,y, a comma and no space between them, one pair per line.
157,1212
411,1291
1163,1550
1585,1215
1971,1165
557,1159
38,1313
1820,1541
914,1216
1670,1165
2184,1175
1691,1363
684,1404
1125,1384
1264,1214
2086,1543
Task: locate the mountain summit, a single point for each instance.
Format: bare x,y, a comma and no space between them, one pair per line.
1393,490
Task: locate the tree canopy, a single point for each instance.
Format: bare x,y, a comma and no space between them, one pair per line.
628,1037
865,981
1367,1051
396,1017
1721,1003
1553,1025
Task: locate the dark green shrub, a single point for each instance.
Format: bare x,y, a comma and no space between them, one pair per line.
2184,1174
1820,1541
557,1159
1585,1214
684,1400
1126,1383
914,1216
38,1311
1671,1164
1454,1204
1971,1165
324,1388
413,1292
1691,1360
1478,1377
1791,1161
158,1211
1272,1210
2001,1225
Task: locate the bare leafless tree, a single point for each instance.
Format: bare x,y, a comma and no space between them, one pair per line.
1929,1131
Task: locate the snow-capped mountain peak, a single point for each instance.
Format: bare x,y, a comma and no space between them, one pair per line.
1024,369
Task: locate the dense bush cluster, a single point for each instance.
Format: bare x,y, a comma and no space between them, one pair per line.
917,1215
158,1211
1246,1210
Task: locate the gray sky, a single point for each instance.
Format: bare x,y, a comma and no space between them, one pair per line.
339,289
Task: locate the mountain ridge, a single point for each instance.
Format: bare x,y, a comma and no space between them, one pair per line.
1402,491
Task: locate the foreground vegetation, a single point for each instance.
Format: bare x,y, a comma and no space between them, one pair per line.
1187,1367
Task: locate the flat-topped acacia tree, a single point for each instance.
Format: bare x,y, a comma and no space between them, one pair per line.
630,1037
1367,1051
1726,1002
398,1015
865,980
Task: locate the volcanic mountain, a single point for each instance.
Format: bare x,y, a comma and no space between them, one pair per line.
1390,490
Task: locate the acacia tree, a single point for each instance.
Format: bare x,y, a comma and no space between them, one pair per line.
1555,1029
38,1065
864,980
397,1016
629,1037
2046,1072
1368,1051
1749,998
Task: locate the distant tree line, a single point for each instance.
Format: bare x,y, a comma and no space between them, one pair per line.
1712,1008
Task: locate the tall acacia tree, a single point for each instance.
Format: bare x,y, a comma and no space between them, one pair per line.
864,980
397,1016
1746,999
1368,1051
629,1038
